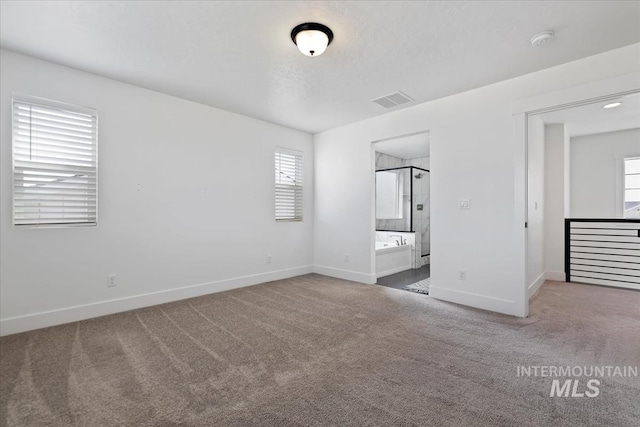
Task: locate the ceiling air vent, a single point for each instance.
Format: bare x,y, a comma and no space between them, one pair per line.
393,99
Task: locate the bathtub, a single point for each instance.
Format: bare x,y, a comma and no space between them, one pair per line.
391,258
383,245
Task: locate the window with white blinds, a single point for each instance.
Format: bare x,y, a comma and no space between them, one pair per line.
632,187
54,163
288,185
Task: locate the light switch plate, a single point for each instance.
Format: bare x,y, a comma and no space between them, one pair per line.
465,204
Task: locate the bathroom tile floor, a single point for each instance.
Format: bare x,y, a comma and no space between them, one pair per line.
404,278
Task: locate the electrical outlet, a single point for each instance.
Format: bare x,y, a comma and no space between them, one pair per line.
346,257
111,280
269,259
462,275
464,204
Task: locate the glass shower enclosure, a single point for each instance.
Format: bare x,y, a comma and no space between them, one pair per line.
402,202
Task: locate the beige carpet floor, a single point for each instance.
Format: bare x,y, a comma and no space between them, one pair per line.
316,351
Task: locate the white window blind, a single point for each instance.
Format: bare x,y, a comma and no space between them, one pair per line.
288,185
54,163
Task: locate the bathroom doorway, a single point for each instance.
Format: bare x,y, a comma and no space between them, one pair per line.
402,222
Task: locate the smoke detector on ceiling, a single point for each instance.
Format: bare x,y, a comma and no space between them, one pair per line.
542,38
393,99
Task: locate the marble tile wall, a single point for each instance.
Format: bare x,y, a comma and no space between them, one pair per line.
384,161
421,195
422,162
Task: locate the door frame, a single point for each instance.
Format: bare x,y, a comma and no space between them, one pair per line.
598,91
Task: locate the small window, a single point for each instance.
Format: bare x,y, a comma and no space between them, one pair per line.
54,163
389,185
632,187
288,185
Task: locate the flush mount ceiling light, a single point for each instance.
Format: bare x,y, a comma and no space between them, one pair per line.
312,38
541,38
613,105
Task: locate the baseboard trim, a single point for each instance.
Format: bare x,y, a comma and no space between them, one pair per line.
339,273
471,299
14,325
535,286
558,276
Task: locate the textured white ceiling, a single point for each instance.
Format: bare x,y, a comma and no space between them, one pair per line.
592,118
238,55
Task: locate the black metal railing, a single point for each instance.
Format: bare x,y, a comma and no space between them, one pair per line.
603,251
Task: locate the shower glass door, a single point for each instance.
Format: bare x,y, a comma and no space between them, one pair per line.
421,208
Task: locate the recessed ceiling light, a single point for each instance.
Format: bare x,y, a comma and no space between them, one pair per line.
541,38
613,105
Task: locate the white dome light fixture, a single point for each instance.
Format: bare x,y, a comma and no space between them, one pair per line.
613,105
541,38
312,38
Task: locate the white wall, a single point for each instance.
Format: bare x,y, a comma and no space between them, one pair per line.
567,173
535,205
556,141
596,172
473,154
185,204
